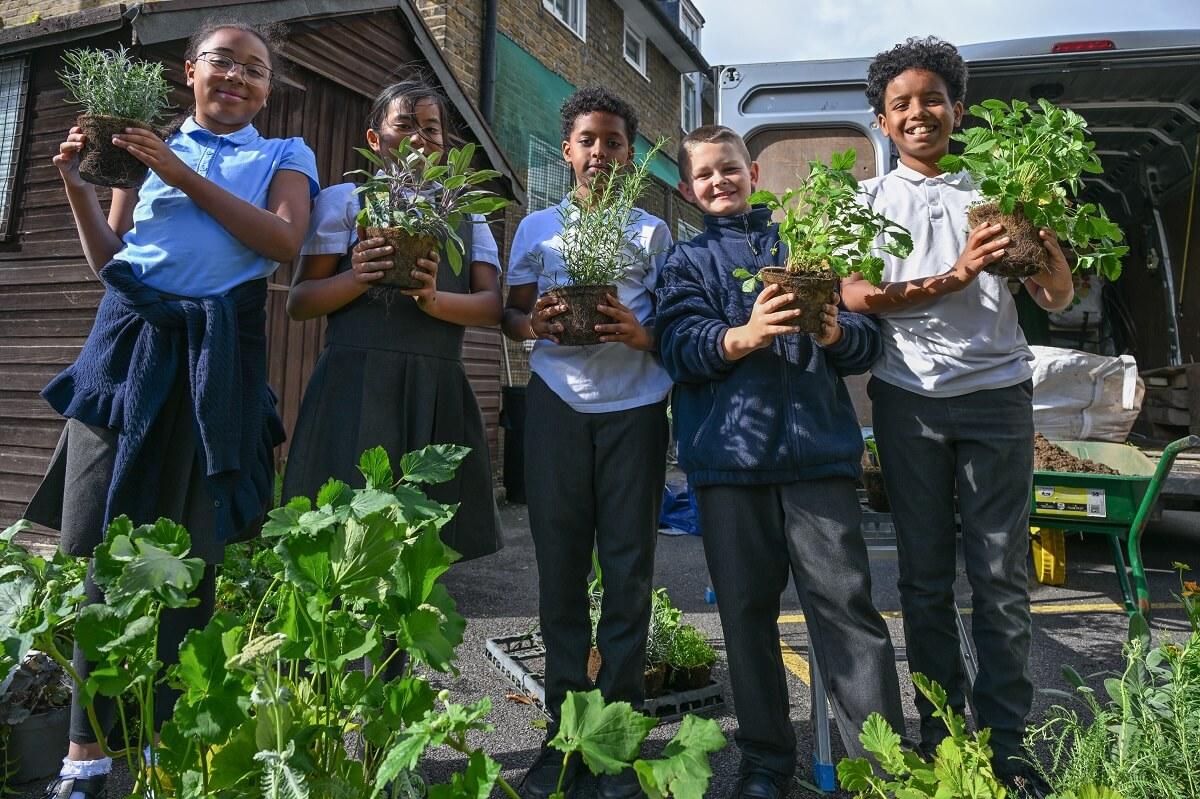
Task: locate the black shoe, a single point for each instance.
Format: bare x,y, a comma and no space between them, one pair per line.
759,784
1021,780
619,786
542,778
91,787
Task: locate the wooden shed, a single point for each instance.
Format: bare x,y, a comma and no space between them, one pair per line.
339,55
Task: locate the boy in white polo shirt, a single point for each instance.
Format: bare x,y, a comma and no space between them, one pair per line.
952,403
596,440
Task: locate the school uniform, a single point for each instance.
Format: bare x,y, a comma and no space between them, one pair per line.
595,464
772,445
952,399
168,409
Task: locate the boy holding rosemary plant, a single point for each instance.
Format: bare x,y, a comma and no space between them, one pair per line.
597,435
952,401
769,438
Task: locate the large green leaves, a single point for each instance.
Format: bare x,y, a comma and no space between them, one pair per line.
683,771
209,708
608,736
150,560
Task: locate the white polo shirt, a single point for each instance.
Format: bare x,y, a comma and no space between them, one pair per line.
598,378
958,343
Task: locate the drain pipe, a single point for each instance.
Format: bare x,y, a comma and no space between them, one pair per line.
487,61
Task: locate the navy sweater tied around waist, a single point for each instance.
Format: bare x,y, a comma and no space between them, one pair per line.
778,415
131,361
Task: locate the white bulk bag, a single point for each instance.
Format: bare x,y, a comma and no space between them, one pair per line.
1078,396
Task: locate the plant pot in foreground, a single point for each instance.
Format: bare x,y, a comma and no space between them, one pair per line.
581,317
407,248
877,497
1025,255
656,676
690,679
103,163
37,746
813,291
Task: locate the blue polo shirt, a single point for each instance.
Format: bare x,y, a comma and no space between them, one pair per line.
176,247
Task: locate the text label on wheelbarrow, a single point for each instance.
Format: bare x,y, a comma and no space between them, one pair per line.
1069,501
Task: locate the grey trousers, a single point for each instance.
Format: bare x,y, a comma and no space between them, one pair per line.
593,480
754,538
981,443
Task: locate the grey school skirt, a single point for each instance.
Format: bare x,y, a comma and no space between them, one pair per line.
71,497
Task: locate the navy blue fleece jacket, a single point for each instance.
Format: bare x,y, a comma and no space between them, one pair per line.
778,415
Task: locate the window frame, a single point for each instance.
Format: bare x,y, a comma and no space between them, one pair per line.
696,91
688,13
580,10
640,64
8,194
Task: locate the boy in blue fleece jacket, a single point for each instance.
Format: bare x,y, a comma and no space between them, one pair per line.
769,439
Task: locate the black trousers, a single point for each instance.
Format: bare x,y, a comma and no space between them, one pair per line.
981,443
593,480
755,537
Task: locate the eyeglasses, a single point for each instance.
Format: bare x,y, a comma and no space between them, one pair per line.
253,73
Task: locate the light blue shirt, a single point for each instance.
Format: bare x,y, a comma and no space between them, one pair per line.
332,229
598,378
176,247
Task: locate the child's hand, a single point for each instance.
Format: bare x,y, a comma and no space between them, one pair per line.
769,318
541,321
426,272
369,258
146,146
67,159
831,332
985,245
1054,284
626,328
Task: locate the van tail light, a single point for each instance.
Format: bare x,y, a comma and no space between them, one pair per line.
1084,46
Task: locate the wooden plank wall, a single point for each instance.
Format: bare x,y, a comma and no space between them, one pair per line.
48,294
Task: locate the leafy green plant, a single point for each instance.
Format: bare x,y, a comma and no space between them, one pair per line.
426,195
1033,158
1140,738
826,226
664,624
597,245
113,83
690,649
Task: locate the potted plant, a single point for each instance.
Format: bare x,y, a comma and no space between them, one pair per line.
664,623
415,201
691,660
116,92
872,478
829,233
1028,164
35,718
598,247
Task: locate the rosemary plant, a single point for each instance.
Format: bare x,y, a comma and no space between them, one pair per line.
112,83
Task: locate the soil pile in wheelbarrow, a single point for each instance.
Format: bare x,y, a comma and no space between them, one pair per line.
1050,458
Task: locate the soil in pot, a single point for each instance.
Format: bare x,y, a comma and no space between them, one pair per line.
38,744
103,163
581,317
656,680
407,248
813,290
877,497
1025,255
690,679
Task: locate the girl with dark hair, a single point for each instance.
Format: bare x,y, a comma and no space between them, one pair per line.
168,409
391,373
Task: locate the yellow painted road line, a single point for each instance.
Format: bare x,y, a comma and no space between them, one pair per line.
1049,609
794,662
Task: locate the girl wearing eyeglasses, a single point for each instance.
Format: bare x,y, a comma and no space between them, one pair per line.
168,409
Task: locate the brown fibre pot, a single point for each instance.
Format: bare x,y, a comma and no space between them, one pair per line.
101,162
656,676
690,679
581,317
877,497
813,290
1025,255
407,248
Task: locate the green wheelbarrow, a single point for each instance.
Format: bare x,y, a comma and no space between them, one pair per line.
1117,506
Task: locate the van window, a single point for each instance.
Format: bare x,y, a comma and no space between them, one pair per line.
783,153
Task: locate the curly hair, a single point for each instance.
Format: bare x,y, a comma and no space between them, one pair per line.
931,53
591,100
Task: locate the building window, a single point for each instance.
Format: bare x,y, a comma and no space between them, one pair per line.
14,88
572,13
635,48
550,176
689,101
690,21
685,231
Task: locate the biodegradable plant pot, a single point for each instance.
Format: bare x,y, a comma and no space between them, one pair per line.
813,290
690,679
1024,256
656,680
407,249
103,163
581,317
38,745
594,661
877,497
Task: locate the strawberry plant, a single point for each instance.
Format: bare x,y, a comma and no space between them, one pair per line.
1028,163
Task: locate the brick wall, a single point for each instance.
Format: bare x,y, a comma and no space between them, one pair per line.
19,12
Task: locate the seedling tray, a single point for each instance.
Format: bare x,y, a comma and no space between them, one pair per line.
521,658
